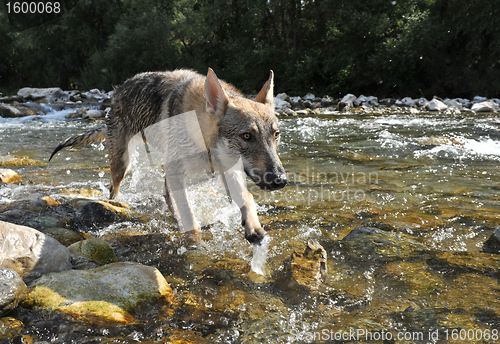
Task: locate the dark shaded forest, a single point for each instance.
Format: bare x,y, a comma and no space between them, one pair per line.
386,48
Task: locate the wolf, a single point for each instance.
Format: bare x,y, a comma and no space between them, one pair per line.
199,123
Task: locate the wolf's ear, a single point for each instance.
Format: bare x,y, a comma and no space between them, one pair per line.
216,97
266,94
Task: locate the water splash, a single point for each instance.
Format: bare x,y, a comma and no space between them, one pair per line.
258,263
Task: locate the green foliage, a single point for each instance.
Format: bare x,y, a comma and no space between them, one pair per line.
379,47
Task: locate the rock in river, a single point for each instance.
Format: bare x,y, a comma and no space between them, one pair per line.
486,106
94,249
28,251
436,105
51,94
308,268
370,243
12,290
9,176
492,245
103,295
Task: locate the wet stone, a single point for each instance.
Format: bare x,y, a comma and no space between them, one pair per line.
10,328
492,245
12,290
368,243
307,268
9,176
28,251
63,235
95,250
94,213
35,202
101,296
16,161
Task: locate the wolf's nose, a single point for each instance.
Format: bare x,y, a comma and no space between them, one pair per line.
279,181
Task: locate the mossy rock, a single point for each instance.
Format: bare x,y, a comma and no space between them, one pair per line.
63,235
94,249
103,295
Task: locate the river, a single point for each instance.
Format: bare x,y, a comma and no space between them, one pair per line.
432,177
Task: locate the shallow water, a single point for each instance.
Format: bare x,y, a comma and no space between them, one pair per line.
432,176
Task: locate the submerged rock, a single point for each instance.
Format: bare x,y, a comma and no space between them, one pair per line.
368,243
438,141
28,251
94,249
16,161
10,328
9,176
492,245
307,269
12,290
87,193
103,295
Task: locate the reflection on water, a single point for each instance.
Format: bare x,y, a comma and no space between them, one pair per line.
432,176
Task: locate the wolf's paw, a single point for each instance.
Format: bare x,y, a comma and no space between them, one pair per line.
255,238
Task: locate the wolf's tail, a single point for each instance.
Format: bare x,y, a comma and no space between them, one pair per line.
85,138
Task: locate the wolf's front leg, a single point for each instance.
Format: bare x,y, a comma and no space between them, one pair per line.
178,204
234,182
254,232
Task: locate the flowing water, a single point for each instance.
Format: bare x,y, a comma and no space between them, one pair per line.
433,177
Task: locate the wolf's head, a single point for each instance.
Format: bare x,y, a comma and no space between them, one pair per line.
248,130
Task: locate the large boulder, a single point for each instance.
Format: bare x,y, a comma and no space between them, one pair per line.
51,95
12,290
106,294
28,251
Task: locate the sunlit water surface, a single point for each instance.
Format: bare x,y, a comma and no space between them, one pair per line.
432,176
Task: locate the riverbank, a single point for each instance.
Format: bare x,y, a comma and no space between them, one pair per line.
96,103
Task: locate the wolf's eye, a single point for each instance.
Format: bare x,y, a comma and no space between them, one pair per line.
276,135
246,136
